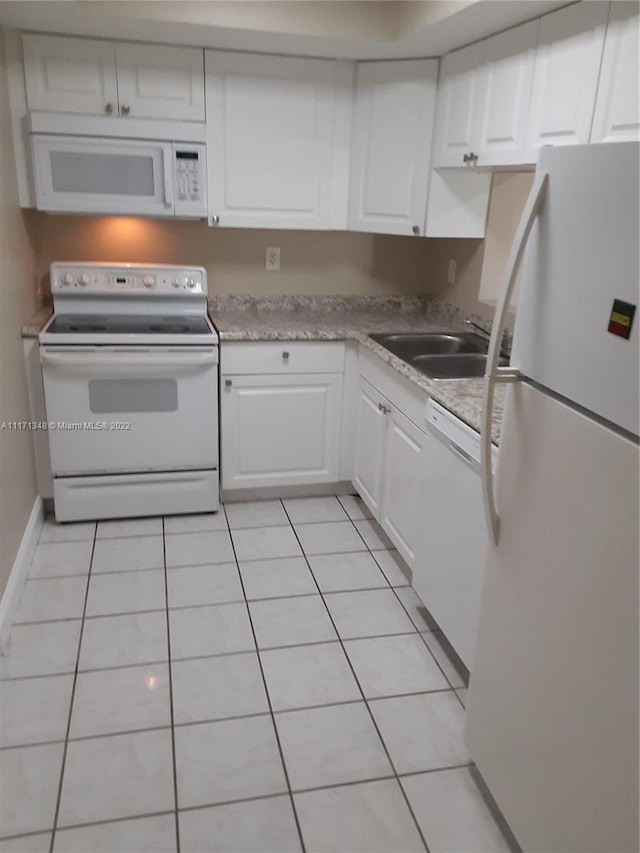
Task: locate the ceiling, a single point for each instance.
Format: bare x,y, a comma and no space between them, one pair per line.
343,29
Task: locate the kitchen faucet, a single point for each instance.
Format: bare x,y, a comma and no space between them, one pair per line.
507,336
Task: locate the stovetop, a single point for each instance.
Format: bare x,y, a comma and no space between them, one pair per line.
128,324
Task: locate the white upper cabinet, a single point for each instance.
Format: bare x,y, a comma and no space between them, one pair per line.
616,117
70,75
566,76
278,135
502,108
483,100
155,81
458,91
391,152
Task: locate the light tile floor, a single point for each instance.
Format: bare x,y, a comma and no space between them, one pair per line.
259,679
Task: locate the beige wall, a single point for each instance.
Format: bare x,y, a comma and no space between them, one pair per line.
17,302
312,262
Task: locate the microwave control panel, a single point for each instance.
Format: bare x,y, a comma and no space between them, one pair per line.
190,179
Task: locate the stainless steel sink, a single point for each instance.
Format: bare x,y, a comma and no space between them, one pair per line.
441,355
461,366
432,343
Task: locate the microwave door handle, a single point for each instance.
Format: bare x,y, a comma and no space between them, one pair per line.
167,163
495,374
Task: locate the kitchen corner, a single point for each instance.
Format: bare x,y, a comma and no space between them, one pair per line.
336,318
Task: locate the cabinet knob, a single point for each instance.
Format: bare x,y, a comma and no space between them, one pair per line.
108,107
467,158
215,220
125,110
384,409
285,356
228,383
416,229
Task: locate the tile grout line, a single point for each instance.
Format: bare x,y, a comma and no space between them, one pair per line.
171,709
364,698
387,777
215,655
73,694
209,720
266,690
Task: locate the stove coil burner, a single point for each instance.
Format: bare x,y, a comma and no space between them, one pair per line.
87,327
169,327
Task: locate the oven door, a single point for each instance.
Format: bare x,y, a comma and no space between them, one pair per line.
99,175
125,410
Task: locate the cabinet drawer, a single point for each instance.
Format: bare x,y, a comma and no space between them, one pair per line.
281,357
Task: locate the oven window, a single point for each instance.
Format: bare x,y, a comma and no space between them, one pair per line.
133,395
104,174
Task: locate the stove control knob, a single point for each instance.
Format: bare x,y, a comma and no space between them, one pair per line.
67,278
84,279
176,282
148,281
191,282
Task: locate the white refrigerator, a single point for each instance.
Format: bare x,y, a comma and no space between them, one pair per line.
552,714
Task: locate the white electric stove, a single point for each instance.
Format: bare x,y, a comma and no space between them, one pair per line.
130,372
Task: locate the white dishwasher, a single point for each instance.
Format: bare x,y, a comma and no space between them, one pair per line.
449,579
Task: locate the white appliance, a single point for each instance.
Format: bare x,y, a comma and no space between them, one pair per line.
552,719
451,579
85,174
130,373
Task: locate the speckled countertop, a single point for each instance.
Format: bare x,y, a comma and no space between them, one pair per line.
33,326
354,318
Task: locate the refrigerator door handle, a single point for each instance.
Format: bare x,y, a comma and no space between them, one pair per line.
495,374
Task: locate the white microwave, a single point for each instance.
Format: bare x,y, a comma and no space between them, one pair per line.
130,177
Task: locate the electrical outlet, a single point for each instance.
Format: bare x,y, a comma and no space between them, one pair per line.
451,272
272,259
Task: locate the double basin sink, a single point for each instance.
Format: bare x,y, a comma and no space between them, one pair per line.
441,355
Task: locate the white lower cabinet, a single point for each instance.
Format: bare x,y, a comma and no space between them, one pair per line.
403,485
280,428
369,450
389,469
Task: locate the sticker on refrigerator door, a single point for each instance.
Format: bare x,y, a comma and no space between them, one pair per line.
621,318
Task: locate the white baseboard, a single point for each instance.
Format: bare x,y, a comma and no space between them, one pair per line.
19,572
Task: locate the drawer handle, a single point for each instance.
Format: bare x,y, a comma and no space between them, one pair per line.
285,356
384,409
228,383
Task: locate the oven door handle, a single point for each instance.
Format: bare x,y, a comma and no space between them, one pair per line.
137,361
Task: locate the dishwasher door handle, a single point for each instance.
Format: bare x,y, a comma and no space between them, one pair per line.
455,448
458,451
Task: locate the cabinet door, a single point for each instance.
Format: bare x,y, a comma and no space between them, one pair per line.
155,81
280,430
617,116
270,131
393,125
68,75
403,490
504,97
458,90
566,76
369,455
